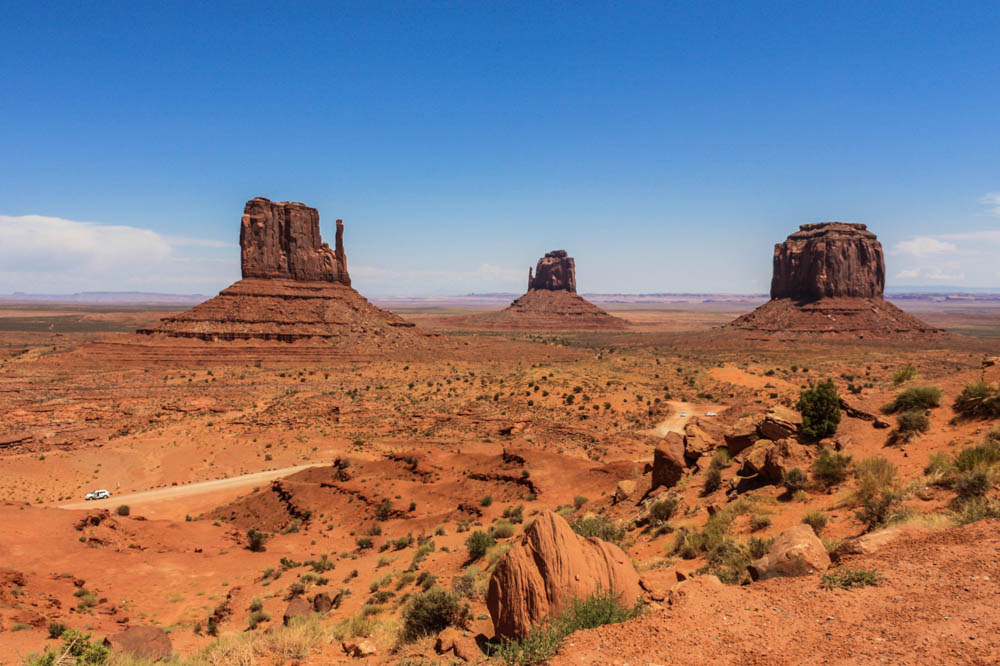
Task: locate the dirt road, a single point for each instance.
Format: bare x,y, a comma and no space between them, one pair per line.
173,499
680,414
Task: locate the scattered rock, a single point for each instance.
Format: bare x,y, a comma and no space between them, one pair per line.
359,648
705,586
144,642
625,491
297,607
455,641
742,434
549,567
867,543
668,461
697,442
796,552
322,603
779,423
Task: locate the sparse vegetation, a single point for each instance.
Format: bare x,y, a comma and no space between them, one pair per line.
978,400
543,642
879,494
601,527
478,543
904,374
915,398
256,541
831,468
815,519
430,612
123,510
847,578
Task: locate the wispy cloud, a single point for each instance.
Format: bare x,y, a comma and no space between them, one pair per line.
992,201
51,254
923,246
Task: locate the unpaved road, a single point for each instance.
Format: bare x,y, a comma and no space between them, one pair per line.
680,414
175,493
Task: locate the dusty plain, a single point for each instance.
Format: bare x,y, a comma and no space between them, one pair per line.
342,458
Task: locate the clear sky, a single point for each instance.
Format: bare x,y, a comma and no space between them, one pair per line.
667,146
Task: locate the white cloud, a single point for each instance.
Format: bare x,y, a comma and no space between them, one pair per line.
40,254
908,273
991,200
922,246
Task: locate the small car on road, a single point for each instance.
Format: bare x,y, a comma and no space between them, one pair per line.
98,495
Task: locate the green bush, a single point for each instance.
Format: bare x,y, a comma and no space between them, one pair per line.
904,374
978,508
820,408
759,522
123,510
879,494
846,578
794,479
430,612
383,510
815,519
914,398
601,527
909,424
76,649
503,529
971,484
256,541
978,400
981,456
661,511
56,629
478,543
831,468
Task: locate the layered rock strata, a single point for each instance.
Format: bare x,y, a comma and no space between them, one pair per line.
829,278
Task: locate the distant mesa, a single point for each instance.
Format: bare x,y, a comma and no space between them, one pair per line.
829,278
550,304
294,287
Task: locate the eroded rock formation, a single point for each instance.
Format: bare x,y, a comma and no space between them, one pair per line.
829,279
549,568
550,304
555,271
294,287
829,260
282,240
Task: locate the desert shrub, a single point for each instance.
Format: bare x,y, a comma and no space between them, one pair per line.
915,397
430,612
56,629
978,400
729,558
601,527
486,501
879,493
257,617
981,456
256,604
76,648
978,508
820,408
815,519
713,479
383,510
478,543
543,641
465,585
909,424
903,375
363,543
123,510
759,522
974,483
503,529
794,479
256,541
579,501
661,511
514,514
846,578
831,468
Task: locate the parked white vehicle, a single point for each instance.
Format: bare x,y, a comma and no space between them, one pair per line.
709,413
98,495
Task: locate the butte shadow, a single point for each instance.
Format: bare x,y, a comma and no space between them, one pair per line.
828,281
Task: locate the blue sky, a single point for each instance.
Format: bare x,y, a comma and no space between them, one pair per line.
667,146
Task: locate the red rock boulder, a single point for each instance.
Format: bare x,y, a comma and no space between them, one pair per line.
549,568
144,642
668,461
555,271
797,552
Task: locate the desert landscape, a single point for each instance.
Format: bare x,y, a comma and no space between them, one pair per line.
297,475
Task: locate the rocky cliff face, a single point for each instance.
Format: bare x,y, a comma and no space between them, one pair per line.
554,272
829,260
282,240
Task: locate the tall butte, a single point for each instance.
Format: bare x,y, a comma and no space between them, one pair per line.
829,278
551,303
294,287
